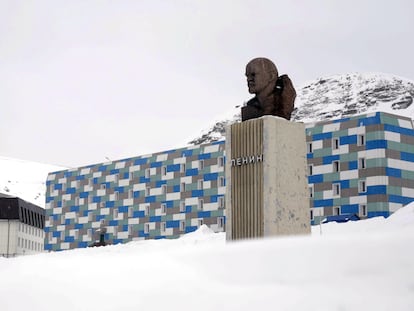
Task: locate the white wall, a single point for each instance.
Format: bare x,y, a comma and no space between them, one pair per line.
30,240
8,237
23,239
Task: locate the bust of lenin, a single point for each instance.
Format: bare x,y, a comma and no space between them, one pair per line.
274,95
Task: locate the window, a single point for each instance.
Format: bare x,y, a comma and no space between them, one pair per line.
163,227
182,168
163,170
90,199
361,139
362,186
89,233
163,189
147,210
363,212
311,191
220,161
309,147
200,184
130,211
103,186
76,235
182,187
130,231
103,222
200,222
163,208
131,176
336,210
90,182
146,228
200,204
18,242
64,186
101,204
182,225
63,203
335,165
116,178
220,222
130,194
115,213
90,216
312,216
115,231
335,143
147,173
221,181
310,169
62,219
77,184
182,206
147,191
361,163
221,202
116,196
201,164
336,189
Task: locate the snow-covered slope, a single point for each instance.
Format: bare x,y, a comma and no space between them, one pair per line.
340,96
25,179
366,265
344,95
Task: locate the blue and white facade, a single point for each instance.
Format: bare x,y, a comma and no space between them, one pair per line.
162,195
360,165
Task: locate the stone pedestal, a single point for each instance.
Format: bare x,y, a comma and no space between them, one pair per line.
266,186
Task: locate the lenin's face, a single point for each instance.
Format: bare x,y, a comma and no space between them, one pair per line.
257,76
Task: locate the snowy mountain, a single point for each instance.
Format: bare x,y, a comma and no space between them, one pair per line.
337,97
25,179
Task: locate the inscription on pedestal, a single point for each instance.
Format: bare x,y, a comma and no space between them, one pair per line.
246,160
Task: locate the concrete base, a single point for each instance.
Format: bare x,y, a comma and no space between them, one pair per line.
267,190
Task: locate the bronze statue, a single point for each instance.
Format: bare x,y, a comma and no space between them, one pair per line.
274,95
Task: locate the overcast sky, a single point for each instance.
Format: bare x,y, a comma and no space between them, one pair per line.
81,81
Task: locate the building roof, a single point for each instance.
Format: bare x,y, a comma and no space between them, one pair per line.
18,209
2,195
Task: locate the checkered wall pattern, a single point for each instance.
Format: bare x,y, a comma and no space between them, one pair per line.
162,195
360,165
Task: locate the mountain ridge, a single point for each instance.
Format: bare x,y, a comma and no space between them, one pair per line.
338,96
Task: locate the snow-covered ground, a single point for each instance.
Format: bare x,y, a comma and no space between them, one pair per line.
365,265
